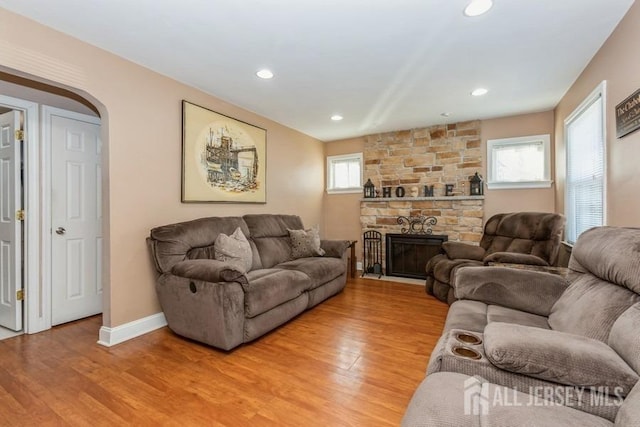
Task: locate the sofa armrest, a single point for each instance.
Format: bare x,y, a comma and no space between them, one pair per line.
208,270
557,356
515,258
459,250
531,291
334,248
212,313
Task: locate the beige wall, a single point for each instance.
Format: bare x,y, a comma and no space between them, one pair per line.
616,62
499,201
141,116
342,211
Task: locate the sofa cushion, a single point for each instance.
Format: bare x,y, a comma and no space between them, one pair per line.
448,399
531,291
610,253
270,235
629,412
268,225
624,337
305,243
234,249
319,270
268,288
590,306
496,313
558,357
474,316
273,250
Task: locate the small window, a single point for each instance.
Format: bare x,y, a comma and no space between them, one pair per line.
344,173
522,162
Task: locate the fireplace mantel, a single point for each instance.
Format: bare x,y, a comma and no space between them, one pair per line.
418,199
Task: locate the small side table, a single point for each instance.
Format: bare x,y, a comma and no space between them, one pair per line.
352,259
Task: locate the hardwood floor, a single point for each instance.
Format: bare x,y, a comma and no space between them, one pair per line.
354,360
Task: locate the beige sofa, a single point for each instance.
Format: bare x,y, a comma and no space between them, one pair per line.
224,303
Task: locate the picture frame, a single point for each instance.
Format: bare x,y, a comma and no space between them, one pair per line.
628,115
223,159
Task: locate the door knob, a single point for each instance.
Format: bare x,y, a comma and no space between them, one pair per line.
60,231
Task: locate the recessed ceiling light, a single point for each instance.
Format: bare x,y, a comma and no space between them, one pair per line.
336,117
265,74
478,7
479,92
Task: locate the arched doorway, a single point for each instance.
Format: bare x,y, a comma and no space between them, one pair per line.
38,103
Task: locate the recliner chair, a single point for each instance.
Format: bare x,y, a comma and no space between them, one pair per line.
521,238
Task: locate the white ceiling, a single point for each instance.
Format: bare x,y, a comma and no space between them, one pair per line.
382,64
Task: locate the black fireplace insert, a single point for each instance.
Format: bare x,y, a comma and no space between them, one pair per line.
407,254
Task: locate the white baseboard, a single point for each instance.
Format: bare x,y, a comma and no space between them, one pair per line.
112,336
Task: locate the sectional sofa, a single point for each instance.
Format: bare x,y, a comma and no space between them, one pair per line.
569,342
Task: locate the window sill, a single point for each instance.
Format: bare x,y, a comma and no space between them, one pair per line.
518,185
345,191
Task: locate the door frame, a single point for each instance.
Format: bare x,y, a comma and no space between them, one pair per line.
36,204
47,113
33,319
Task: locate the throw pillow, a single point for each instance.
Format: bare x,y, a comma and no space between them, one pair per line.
234,249
305,243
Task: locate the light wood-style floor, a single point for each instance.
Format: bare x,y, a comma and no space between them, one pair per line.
354,360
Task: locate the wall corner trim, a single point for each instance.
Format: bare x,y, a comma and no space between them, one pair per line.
111,336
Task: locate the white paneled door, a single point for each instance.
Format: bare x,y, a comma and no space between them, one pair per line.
76,219
10,225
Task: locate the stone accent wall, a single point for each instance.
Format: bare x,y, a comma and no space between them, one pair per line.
435,155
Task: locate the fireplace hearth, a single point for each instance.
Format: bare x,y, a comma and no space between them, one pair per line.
407,254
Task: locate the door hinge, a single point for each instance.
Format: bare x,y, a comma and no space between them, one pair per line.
19,134
20,215
20,295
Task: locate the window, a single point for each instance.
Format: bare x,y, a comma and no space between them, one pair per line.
344,173
584,132
522,162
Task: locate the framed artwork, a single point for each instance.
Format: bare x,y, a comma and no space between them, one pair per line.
223,159
628,115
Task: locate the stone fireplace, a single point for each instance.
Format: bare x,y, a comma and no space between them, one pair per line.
412,159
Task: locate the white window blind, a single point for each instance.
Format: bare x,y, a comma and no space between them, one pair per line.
585,167
521,162
344,173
